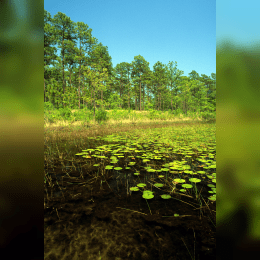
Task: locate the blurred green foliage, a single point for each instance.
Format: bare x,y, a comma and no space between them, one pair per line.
101,115
21,123
238,143
65,113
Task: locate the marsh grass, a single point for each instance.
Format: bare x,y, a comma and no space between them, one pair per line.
118,189
122,117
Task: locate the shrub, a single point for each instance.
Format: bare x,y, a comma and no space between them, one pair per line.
101,115
65,113
208,116
78,116
49,118
48,106
153,114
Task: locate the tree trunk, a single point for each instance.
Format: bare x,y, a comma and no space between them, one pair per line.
143,97
140,94
79,84
44,89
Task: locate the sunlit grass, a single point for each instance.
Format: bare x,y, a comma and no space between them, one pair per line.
133,118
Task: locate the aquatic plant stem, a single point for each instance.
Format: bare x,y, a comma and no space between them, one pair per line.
149,207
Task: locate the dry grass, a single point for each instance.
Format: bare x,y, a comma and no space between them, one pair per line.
114,122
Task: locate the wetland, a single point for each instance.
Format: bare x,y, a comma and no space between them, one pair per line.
130,190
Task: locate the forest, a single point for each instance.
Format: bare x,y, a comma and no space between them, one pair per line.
84,76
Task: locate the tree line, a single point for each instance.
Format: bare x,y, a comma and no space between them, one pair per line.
83,75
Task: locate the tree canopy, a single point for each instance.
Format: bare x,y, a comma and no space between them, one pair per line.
82,75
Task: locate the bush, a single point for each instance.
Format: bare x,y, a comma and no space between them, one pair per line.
101,115
208,116
156,114
50,117
48,106
153,114
171,112
78,116
65,113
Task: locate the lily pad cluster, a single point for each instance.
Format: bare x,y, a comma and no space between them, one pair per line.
173,154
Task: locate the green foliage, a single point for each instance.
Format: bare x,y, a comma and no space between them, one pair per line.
82,106
238,141
122,114
178,112
50,112
208,116
50,118
65,113
83,115
48,106
193,115
78,116
171,112
101,115
154,114
114,101
149,106
163,116
164,83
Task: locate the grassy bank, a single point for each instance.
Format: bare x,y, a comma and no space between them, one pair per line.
84,117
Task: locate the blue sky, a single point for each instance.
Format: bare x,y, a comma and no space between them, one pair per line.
238,21
170,30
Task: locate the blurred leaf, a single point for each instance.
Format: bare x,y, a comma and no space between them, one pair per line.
238,142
